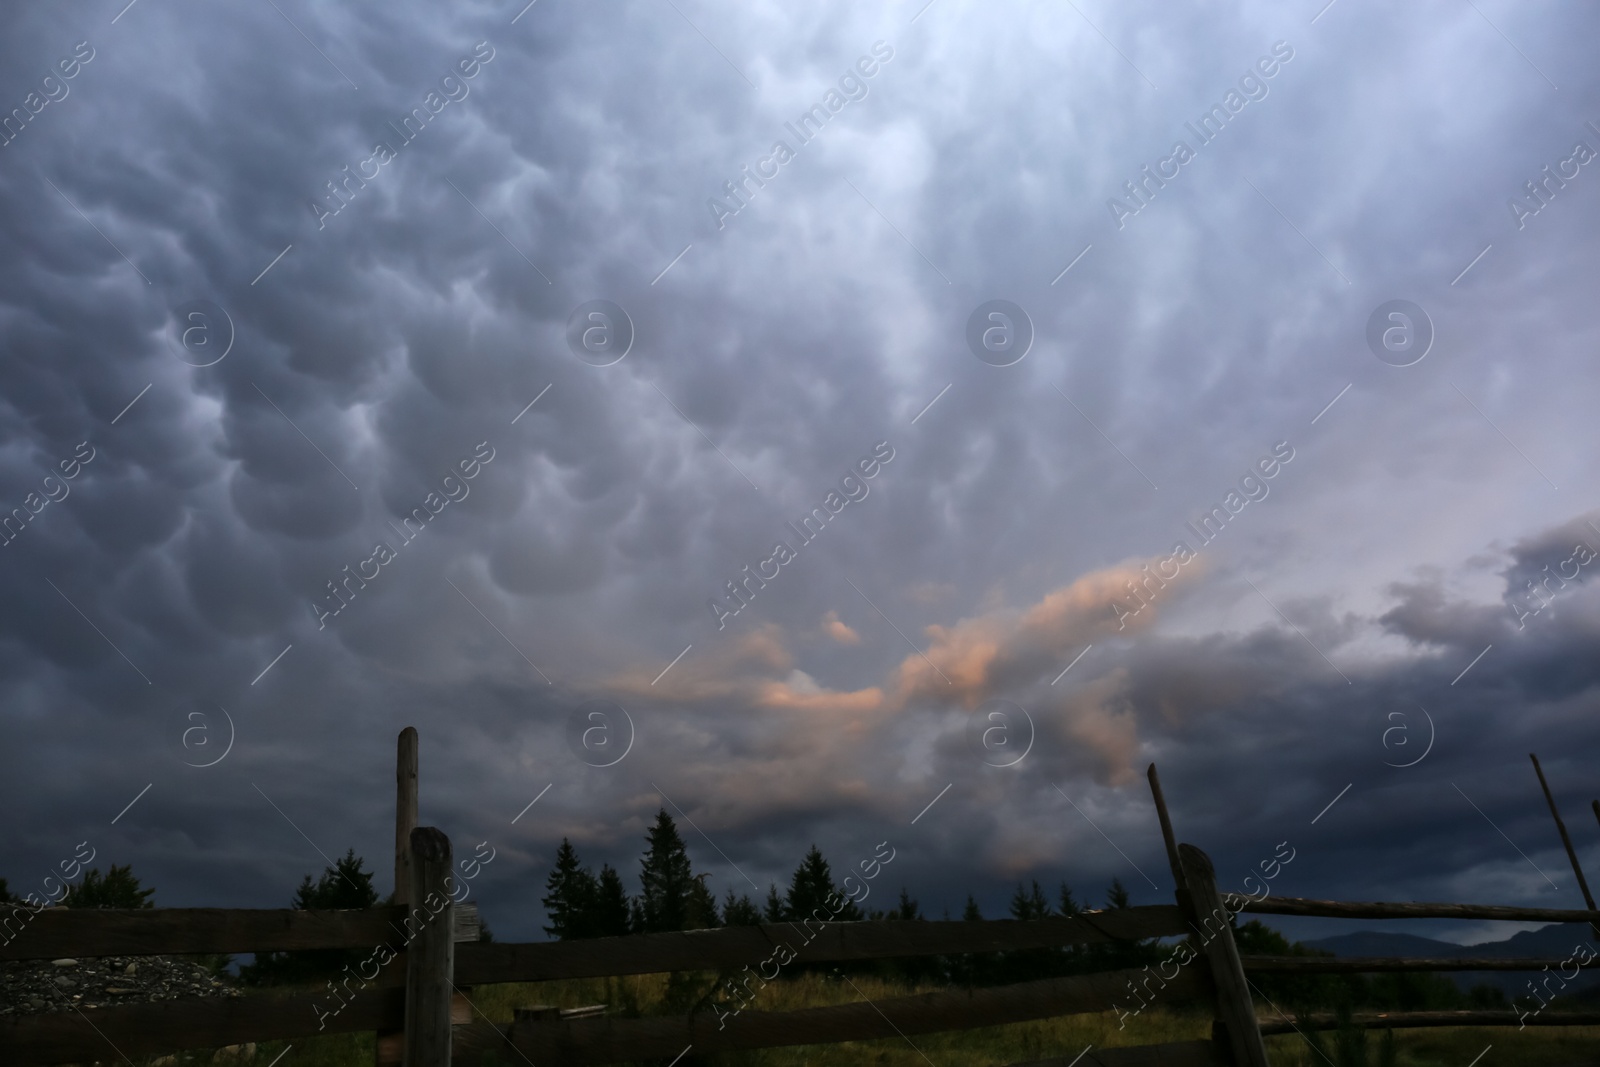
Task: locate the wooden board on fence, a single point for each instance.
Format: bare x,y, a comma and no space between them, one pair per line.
1406,1020
738,946
1343,909
609,1040
1172,1054
204,1022
1377,964
57,932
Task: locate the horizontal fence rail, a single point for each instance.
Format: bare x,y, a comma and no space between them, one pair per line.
611,1040
1172,1054
88,932
174,1025
1404,1020
1379,964
1340,909
738,946
156,1028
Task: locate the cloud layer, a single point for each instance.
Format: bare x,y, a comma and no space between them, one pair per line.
1387,578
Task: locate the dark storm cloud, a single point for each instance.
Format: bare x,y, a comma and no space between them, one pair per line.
386,342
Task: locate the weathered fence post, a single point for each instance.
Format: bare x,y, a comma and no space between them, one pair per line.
430,951
1235,1010
405,820
405,811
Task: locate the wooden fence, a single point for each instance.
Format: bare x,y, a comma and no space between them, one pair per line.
416,1004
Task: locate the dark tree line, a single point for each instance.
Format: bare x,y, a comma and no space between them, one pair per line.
581,904
672,897
118,888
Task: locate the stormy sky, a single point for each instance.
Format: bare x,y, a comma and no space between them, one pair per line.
371,365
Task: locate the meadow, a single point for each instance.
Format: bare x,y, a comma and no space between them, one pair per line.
986,1047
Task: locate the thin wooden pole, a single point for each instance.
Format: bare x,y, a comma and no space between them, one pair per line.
390,1043
1171,841
1572,853
405,811
430,952
1235,1010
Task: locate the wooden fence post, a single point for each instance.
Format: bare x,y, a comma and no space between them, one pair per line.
405,811
1235,1010
387,1049
430,951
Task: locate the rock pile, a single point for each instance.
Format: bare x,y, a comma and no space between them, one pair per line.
61,985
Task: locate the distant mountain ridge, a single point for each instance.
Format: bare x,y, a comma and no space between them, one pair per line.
1554,942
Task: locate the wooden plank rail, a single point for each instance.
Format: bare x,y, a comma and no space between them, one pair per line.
737,946
612,1040
57,932
1406,1020
1339,909
1172,1054
1377,964
203,1022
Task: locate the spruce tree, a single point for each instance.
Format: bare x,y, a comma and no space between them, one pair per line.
906,908
739,911
666,879
1117,895
810,888
774,911
701,910
609,916
118,889
1068,906
1029,905
570,893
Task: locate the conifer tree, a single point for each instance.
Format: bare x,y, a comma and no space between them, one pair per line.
810,890
739,911
666,880
120,889
1068,906
570,896
906,908
774,911
1029,905
610,914
702,906
1117,895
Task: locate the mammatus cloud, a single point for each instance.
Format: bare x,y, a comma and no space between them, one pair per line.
423,306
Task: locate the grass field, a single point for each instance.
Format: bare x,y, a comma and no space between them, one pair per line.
989,1047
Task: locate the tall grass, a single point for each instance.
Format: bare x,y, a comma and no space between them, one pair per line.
986,1047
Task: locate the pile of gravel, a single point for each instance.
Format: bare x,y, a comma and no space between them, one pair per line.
61,985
